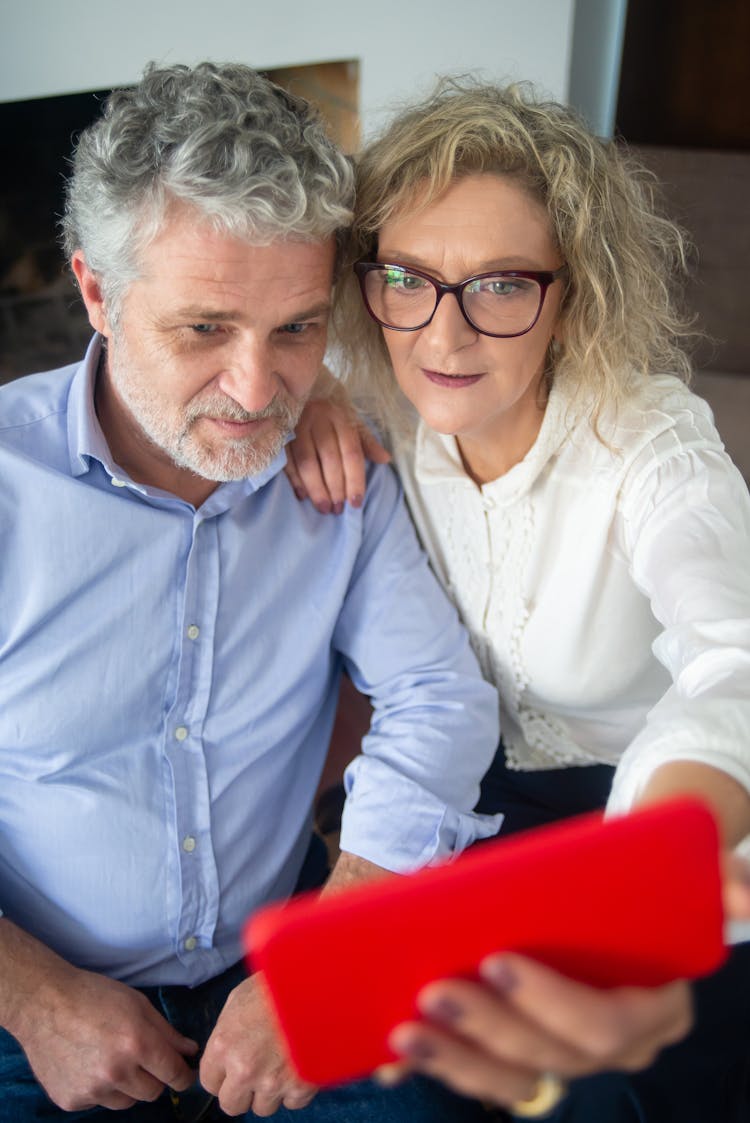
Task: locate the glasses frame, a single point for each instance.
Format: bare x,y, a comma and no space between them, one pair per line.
543,277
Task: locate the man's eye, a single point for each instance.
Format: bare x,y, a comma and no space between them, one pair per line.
204,329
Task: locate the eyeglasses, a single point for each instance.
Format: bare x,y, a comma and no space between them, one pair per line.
501,304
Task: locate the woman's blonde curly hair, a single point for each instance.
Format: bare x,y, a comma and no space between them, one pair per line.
626,262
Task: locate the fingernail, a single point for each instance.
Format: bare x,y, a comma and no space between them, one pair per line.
416,1050
324,508
357,500
443,1010
338,508
499,973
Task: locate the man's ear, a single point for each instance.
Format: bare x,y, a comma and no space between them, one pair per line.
91,293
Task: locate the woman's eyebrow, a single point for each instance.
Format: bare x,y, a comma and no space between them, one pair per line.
501,264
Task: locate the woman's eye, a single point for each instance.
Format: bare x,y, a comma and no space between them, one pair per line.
406,282
494,286
294,329
502,288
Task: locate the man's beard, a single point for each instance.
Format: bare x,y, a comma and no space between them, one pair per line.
233,459
173,429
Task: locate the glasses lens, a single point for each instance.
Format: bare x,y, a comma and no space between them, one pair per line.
502,304
398,298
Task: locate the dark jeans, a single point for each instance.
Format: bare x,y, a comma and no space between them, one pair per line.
193,1011
703,1079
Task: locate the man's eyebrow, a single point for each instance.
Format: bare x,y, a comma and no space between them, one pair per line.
320,309
198,314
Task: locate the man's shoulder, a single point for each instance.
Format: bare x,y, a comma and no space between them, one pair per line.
383,488
33,398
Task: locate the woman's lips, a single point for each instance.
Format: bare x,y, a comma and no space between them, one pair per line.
452,381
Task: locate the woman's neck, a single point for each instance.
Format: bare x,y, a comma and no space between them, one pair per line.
487,456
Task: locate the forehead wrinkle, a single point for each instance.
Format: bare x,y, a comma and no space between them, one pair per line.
481,223
490,265
196,275
196,311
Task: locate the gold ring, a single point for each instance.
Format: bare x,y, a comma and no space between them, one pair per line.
549,1091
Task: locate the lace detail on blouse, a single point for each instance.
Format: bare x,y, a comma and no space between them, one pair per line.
481,542
545,743
570,574
533,741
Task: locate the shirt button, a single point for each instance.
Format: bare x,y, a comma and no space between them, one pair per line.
180,732
118,483
191,943
193,631
488,503
189,844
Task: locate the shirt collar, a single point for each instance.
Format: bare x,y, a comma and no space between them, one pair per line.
87,443
85,438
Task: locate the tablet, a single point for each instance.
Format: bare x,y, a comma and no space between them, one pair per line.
634,900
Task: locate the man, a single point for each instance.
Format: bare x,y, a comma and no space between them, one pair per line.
174,625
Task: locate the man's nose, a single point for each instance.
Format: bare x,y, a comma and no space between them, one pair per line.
249,376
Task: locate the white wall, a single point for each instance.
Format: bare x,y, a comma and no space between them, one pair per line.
52,47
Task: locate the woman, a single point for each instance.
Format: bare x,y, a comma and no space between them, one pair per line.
510,326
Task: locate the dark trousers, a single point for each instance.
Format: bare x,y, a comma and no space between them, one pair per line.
193,1011
703,1079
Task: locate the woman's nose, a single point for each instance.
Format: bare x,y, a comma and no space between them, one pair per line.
448,326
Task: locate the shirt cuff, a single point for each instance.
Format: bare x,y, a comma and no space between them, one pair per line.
401,826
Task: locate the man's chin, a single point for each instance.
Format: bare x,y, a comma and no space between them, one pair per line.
228,465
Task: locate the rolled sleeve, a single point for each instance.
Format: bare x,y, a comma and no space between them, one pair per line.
435,727
399,825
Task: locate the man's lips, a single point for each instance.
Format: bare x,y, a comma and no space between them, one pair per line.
452,381
237,428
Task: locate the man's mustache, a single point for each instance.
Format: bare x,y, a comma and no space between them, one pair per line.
228,410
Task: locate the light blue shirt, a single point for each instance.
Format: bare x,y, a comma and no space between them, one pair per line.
168,683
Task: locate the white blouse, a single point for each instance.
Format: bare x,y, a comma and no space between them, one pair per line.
606,589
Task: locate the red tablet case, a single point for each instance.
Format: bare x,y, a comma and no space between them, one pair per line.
634,900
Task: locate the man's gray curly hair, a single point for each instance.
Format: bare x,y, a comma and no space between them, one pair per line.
253,159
